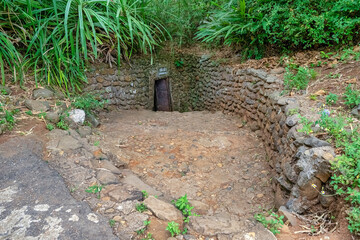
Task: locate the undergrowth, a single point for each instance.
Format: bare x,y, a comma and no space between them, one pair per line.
346,166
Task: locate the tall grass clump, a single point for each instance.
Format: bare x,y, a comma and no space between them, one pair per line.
283,24
58,38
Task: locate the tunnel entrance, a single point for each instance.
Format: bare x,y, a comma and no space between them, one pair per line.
162,95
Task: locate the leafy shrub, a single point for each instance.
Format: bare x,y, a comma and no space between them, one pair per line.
283,24
331,99
300,80
88,102
352,97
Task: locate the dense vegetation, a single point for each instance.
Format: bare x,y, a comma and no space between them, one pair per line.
56,39
260,24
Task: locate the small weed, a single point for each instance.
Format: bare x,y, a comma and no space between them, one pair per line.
4,91
179,63
326,55
62,124
96,143
331,99
293,111
94,189
145,194
29,112
273,223
42,115
50,127
307,124
112,222
173,228
7,117
313,97
141,231
334,75
148,237
140,207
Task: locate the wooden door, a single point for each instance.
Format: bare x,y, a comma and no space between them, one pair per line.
162,95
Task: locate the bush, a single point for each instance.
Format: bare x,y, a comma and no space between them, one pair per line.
283,24
300,80
352,97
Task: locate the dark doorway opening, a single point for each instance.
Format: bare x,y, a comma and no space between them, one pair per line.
162,95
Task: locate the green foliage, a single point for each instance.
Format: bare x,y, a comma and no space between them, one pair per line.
145,194
306,125
140,207
173,228
112,222
283,24
271,221
88,102
300,80
95,189
29,112
354,220
7,120
352,97
346,166
179,63
184,206
50,127
42,115
148,237
331,99
62,123
56,39
141,231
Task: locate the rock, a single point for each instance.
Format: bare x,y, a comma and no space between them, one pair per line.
184,168
106,177
286,100
84,131
68,143
126,207
311,189
93,120
163,210
213,225
276,71
315,142
77,115
189,237
134,222
356,112
325,200
4,90
288,216
292,120
37,106
42,93
52,117
279,200
120,194
258,232
109,166
292,109
133,180
199,207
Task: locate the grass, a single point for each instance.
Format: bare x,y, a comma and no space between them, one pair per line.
55,40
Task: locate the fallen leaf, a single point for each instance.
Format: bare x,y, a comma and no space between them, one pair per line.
353,80
320,93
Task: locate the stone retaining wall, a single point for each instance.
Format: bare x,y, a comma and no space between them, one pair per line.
301,162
